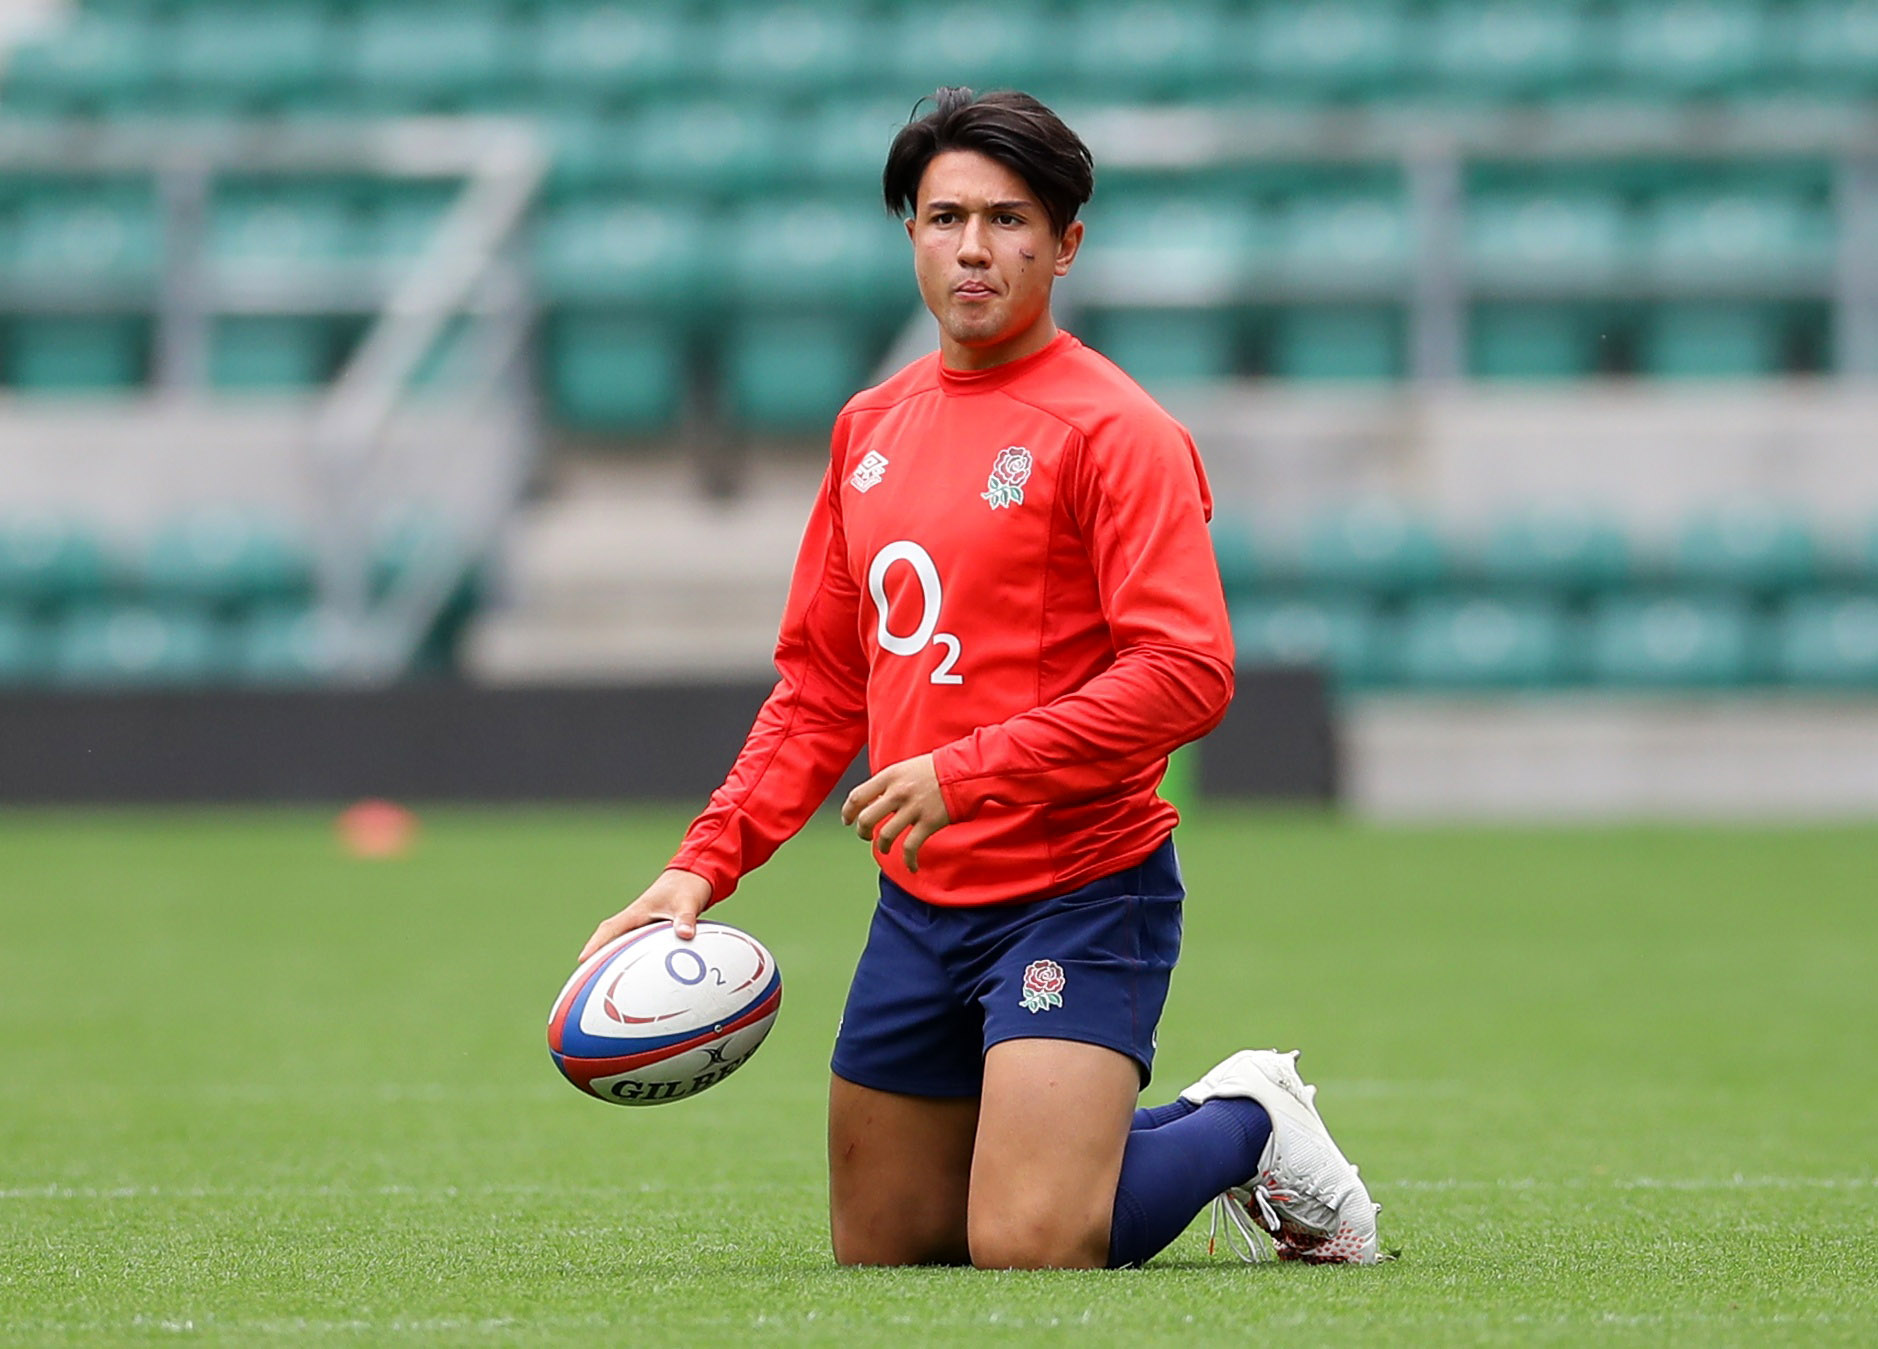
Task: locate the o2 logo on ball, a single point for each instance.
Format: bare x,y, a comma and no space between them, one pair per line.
931,598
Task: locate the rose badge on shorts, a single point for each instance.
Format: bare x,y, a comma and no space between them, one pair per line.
1043,986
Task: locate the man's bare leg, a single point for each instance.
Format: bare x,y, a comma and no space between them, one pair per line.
899,1176
1052,1124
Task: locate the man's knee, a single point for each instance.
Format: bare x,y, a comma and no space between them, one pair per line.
893,1243
1008,1238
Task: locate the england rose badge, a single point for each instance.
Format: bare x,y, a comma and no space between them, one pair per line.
1009,473
1043,986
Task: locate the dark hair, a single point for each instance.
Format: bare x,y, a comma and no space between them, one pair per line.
1012,128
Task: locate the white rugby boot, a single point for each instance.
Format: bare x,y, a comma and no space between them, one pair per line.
1306,1196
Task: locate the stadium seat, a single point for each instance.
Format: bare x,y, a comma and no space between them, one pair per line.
255,53
1687,46
615,371
1483,642
1713,339
1835,47
222,557
1828,639
1337,343
984,44
74,355
1324,48
1235,548
799,252
1341,241
1345,637
599,251
48,561
1161,347
1747,547
24,651
103,237
1509,48
1555,548
1581,239
100,62
1149,49
400,222
1672,641
789,48
707,147
600,53
259,229
1534,341
1749,234
844,143
424,53
1158,247
286,644
792,375
136,645
267,352
1376,547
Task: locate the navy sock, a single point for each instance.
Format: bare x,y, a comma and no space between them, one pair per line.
1153,1117
1171,1169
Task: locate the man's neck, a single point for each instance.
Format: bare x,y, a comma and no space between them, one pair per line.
957,356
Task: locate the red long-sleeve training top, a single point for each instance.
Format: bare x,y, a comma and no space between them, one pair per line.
1009,568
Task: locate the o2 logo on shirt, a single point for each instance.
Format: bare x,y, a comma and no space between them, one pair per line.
932,596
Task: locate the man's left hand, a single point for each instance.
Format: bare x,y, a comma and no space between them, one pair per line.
902,801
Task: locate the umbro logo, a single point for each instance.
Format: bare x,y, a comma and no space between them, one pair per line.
872,468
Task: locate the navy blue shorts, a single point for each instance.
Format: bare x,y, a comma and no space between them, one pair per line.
936,987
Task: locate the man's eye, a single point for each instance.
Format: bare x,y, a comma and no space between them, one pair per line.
1006,218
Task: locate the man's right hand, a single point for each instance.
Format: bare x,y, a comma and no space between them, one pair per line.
677,895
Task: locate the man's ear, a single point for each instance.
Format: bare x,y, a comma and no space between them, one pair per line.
908,222
1066,247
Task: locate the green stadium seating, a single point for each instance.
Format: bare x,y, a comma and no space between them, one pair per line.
284,644
1533,341
1161,347
1749,547
708,147
400,222
224,556
259,229
615,371
1554,548
269,352
101,237
100,62
136,645
1713,339
798,252
1377,547
24,652
770,48
1481,642
1346,637
1336,241
71,355
1149,49
1236,549
225,53
1828,639
617,251
411,534
792,375
599,53
1509,48
844,143
1337,343
1174,247
419,54
1687,46
1835,47
1672,641
1579,240
980,43
48,561
1326,48
1746,235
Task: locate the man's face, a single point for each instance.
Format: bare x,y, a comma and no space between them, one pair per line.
986,259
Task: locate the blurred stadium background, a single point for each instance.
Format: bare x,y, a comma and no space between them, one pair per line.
1532,344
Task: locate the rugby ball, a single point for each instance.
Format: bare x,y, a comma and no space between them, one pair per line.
649,1018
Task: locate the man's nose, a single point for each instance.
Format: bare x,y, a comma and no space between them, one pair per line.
974,244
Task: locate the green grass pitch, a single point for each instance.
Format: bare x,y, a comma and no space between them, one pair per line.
1611,1086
